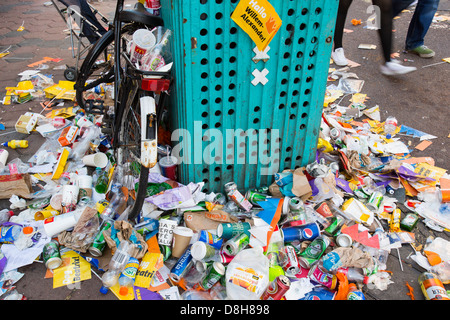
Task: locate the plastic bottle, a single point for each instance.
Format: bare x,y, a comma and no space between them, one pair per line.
389,126
442,270
128,275
115,204
354,293
116,181
153,59
117,264
14,144
5,215
432,287
24,240
247,275
16,166
96,174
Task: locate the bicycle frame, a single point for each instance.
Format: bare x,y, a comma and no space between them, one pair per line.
129,70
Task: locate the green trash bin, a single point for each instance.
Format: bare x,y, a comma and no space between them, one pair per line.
228,128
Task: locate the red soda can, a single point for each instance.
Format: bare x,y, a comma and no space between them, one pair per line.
292,267
277,288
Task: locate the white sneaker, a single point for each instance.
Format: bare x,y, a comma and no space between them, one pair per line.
394,67
338,57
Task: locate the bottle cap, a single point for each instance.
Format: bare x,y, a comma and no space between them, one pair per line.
388,136
28,230
103,290
123,291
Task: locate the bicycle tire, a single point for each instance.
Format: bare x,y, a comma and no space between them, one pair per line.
127,143
88,67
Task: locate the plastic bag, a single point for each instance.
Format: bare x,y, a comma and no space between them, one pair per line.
247,275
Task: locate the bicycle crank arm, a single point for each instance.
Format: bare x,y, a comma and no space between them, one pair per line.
149,143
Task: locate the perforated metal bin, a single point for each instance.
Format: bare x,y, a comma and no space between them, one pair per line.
213,95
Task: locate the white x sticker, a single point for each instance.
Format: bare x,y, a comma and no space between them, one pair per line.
261,55
260,76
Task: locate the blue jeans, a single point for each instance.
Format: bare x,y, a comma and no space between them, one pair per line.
420,22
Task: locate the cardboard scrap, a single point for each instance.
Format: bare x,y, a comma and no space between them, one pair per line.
15,184
423,145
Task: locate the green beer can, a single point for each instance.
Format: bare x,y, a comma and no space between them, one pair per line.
99,243
254,197
51,255
215,272
236,244
314,251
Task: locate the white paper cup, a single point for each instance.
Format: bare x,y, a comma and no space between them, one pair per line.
165,234
57,224
84,181
98,159
143,40
55,201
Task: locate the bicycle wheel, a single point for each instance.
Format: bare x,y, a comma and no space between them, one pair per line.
127,145
96,71
95,78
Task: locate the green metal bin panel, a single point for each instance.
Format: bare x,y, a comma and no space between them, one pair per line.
233,130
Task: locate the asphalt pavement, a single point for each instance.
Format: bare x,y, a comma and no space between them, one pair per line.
419,100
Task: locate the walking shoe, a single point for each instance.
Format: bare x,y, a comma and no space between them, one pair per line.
423,51
394,67
338,57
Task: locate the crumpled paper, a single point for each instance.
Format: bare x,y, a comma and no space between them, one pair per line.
347,257
80,239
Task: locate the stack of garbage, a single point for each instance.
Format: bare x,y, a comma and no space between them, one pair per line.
322,231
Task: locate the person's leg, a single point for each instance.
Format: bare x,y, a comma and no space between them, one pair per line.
390,67
344,5
400,5
338,52
385,31
420,23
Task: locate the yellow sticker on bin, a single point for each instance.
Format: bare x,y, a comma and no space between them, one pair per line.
258,19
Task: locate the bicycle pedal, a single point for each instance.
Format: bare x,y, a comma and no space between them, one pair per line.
94,106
